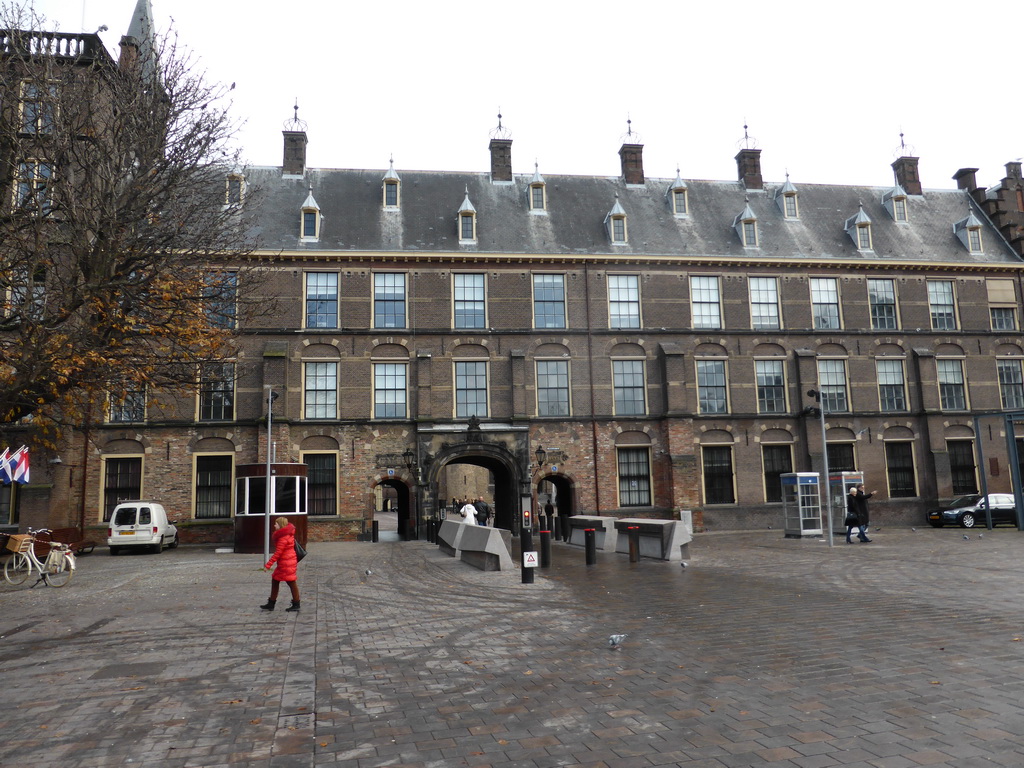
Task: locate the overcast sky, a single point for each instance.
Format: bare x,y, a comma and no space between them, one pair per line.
825,87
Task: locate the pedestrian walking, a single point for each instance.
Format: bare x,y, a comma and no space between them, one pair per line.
483,511
287,564
857,513
469,512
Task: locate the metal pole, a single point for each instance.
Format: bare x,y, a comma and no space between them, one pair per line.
266,509
828,485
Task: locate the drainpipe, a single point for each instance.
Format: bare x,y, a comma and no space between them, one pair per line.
593,412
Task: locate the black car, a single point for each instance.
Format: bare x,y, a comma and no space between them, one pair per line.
969,511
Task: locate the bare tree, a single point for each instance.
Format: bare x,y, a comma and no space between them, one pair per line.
123,219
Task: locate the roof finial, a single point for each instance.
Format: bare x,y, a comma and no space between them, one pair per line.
501,132
630,136
294,124
748,141
904,149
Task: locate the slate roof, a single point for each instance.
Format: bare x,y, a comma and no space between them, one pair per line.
574,224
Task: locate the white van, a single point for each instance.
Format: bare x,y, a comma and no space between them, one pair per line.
140,524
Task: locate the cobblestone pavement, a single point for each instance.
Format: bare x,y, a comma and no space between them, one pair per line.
764,651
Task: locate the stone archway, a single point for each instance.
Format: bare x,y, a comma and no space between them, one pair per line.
505,470
404,506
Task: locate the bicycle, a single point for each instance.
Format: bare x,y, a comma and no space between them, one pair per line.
56,570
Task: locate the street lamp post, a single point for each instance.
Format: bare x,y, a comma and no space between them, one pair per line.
820,412
271,397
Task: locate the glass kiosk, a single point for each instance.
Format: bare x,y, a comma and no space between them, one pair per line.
801,504
288,492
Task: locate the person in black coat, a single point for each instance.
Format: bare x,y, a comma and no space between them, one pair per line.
857,513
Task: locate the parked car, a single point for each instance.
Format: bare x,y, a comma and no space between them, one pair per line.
140,524
969,511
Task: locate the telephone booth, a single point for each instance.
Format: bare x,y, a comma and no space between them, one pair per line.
288,496
801,504
839,484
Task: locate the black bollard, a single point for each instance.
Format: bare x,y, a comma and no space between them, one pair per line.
590,538
375,531
545,549
566,528
526,545
634,544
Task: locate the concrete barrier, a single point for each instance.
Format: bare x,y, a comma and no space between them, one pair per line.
604,530
488,549
659,539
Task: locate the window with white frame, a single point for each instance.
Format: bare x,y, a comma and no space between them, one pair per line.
127,406
321,299
321,483
680,202
552,387
776,460
892,388
389,300
719,479
764,303
771,386
470,303
1002,304
942,305
712,396
705,302
629,387
882,300
320,387
470,388
389,390
1011,384
548,301
217,392
832,386
624,301
899,465
825,303
537,197
952,390
467,227
634,469
122,481
213,486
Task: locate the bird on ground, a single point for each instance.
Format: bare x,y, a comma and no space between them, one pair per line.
614,641
368,572
966,537
913,529
683,564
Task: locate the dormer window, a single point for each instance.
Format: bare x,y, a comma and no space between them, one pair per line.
786,199
311,219
677,194
615,224
745,225
538,192
859,229
895,202
234,189
969,233
467,221
392,184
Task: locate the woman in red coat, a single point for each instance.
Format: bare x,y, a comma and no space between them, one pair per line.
287,564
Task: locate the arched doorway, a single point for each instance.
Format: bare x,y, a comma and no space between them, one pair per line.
400,503
505,479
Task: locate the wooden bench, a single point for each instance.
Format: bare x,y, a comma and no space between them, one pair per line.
73,538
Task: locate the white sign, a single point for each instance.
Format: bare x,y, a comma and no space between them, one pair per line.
529,559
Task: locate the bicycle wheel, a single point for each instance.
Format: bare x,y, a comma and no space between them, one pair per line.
60,574
16,569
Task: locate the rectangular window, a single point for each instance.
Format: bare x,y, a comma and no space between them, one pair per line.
38,107
127,407
233,192
470,389
33,190
309,224
221,298
466,222
628,384
549,301
899,208
892,389
618,230
321,299
899,465
764,303
634,477
942,305
1002,303
711,391
705,302
974,239
389,300
771,386
217,392
122,481
391,195
882,298
750,234
679,201
718,477
864,237
624,301
952,391
552,387
840,457
825,303
213,487
789,201
777,460
389,390
832,385
470,306
322,483
537,197
1011,384
961,466
321,391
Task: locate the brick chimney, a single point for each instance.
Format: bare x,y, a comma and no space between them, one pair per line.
294,163
965,178
632,156
501,159
748,164
907,175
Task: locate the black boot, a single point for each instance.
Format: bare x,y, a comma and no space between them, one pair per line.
269,605
293,607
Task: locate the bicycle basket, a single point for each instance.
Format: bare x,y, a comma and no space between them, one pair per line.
19,542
